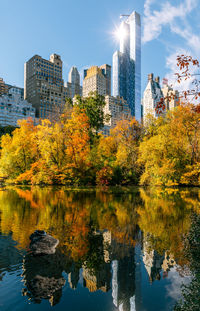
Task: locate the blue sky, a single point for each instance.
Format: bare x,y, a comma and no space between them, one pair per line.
82,33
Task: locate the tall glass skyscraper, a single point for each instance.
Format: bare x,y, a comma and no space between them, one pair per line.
127,64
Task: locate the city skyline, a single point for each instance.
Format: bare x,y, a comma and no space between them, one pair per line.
91,41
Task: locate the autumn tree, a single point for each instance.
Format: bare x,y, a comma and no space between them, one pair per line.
116,155
173,150
18,151
127,135
185,64
170,151
77,142
64,148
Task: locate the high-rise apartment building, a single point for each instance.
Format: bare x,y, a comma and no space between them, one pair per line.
3,87
73,84
106,70
11,89
151,97
44,86
127,64
15,90
13,108
157,100
97,79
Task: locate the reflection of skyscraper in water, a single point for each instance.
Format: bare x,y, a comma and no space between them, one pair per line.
123,282
99,276
127,64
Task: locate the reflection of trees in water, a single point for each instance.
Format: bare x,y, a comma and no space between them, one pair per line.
69,216
191,292
164,219
79,221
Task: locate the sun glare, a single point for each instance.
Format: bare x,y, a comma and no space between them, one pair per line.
120,33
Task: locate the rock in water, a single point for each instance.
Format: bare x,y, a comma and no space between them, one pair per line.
42,243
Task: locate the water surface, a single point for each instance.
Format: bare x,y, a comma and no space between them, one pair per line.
118,251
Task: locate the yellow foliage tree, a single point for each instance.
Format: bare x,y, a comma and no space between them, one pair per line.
19,151
173,149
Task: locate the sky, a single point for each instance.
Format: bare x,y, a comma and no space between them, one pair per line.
82,32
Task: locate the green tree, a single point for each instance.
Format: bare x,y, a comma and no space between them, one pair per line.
94,108
7,130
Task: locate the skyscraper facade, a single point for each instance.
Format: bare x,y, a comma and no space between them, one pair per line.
97,79
73,84
94,81
44,86
106,70
127,64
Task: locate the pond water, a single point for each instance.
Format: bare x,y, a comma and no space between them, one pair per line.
121,250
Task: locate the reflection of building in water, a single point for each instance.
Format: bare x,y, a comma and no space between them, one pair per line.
155,262
108,264
152,261
168,263
106,245
97,280
123,282
73,276
119,258
99,275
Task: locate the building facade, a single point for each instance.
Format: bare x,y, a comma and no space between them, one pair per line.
118,109
73,84
156,100
44,86
171,97
106,70
13,108
97,79
151,98
127,64
3,87
15,90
